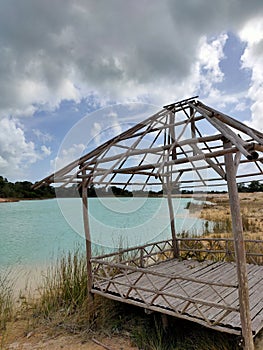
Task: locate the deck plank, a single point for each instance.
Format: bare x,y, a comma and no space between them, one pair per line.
222,272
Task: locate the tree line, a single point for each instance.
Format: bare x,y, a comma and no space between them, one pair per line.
23,189
254,186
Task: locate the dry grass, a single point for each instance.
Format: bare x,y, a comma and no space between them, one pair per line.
6,299
219,213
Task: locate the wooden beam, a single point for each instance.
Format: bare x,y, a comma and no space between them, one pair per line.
179,161
255,134
142,160
240,252
154,150
97,151
209,161
228,133
179,104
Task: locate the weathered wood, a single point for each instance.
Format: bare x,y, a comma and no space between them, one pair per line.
180,103
141,162
255,134
243,161
160,123
176,250
193,129
87,234
241,145
240,253
168,312
177,161
155,287
217,168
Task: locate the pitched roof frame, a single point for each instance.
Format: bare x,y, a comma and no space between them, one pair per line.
171,143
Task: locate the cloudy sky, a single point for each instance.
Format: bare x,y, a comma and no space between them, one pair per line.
60,60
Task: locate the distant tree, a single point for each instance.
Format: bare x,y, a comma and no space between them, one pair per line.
23,189
120,192
92,191
242,188
254,186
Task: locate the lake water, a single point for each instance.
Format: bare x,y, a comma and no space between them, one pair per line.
34,232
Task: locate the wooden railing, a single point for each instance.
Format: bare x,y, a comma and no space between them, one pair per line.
141,256
219,249
201,249
132,275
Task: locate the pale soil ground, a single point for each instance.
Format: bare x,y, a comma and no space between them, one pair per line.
17,338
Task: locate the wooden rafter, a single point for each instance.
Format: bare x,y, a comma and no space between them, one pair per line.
175,139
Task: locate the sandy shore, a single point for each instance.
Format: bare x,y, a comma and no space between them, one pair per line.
8,200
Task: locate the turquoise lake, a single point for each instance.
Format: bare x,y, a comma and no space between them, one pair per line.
34,232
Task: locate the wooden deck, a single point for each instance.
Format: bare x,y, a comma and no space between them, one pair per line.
203,292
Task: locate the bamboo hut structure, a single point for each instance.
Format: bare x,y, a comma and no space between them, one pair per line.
186,137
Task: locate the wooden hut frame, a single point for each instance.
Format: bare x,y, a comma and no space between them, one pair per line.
163,150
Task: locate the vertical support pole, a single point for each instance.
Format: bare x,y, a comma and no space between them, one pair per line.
193,130
87,234
169,189
240,253
171,213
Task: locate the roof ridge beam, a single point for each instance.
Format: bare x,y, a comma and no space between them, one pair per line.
241,145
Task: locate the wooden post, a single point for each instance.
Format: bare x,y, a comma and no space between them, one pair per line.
240,253
87,234
171,213
193,130
168,187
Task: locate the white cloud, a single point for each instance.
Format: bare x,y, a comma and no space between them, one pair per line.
42,136
208,59
65,156
252,59
16,153
122,51
96,133
46,150
240,107
115,125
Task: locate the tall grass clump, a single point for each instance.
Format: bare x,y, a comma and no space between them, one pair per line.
64,284
6,299
63,299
